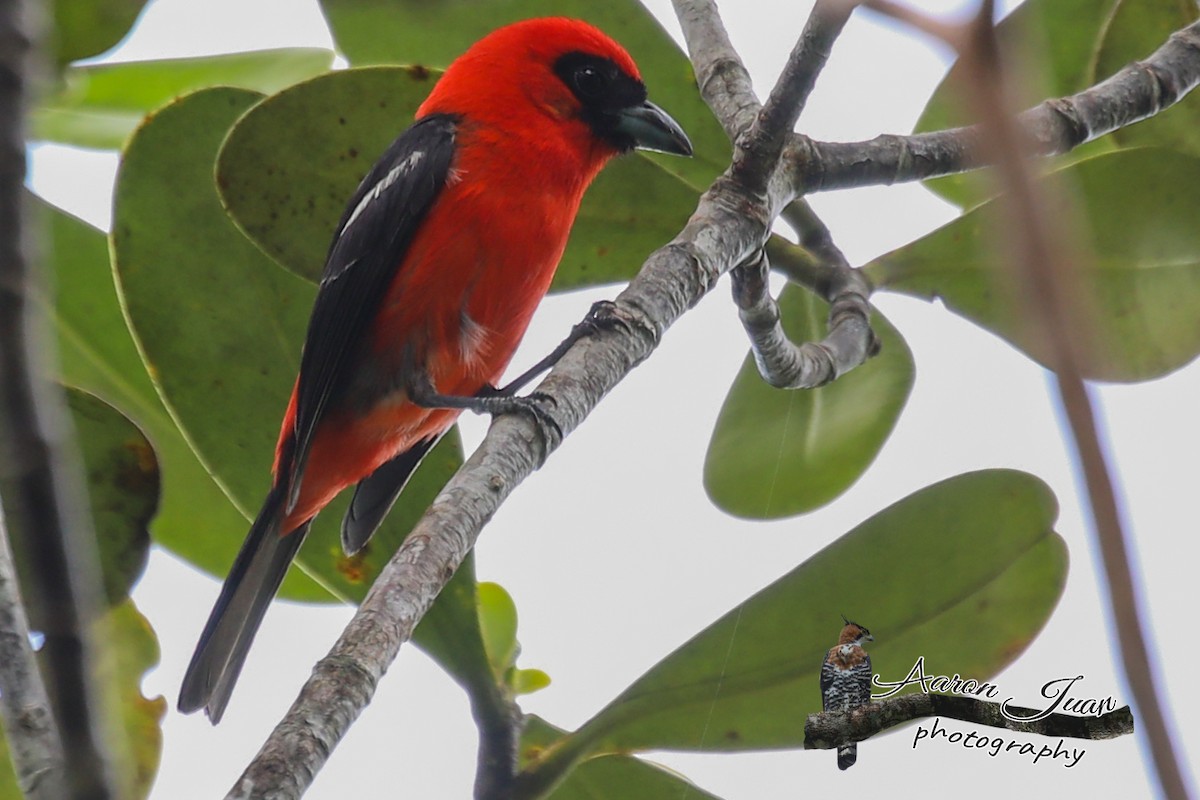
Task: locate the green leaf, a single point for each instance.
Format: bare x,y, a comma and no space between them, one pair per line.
289,166
498,622
1055,43
383,32
528,681
1136,29
123,487
99,105
97,354
775,453
1141,282
224,344
498,628
609,777
130,651
84,28
964,572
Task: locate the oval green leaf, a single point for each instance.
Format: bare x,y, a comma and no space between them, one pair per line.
97,354
85,28
775,453
498,622
288,167
528,681
221,327
498,627
1055,43
123,487
609,777
99,105
131,651
964,573
381,32
1140,283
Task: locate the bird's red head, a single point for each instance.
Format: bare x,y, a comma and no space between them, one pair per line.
551,80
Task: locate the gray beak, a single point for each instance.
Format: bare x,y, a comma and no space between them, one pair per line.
651,128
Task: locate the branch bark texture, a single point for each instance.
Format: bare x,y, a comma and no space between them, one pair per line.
1140,90
29,730
758,152
828,731
786,365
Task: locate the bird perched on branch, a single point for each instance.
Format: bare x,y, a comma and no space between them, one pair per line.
846,680
439,260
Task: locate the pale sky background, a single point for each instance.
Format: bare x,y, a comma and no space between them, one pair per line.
587,545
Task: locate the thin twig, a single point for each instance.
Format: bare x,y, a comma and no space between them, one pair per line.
947,32
786,365
828,731
1044,268
29,728
722,77
814,234
758,152
1139,90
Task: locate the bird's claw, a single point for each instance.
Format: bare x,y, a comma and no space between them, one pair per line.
531,405
604,315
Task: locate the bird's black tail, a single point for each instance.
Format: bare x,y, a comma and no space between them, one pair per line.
257,572
847,755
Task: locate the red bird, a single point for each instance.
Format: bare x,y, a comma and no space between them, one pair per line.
440,258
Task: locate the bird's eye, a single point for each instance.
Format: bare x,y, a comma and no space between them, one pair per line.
590,82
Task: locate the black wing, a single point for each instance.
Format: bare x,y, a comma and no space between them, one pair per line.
372,237
827,675
862,683
376,493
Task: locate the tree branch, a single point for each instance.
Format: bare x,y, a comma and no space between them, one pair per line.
44,504
781,363
499,722
29,729
724,82
785,365
828,731
1140,90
